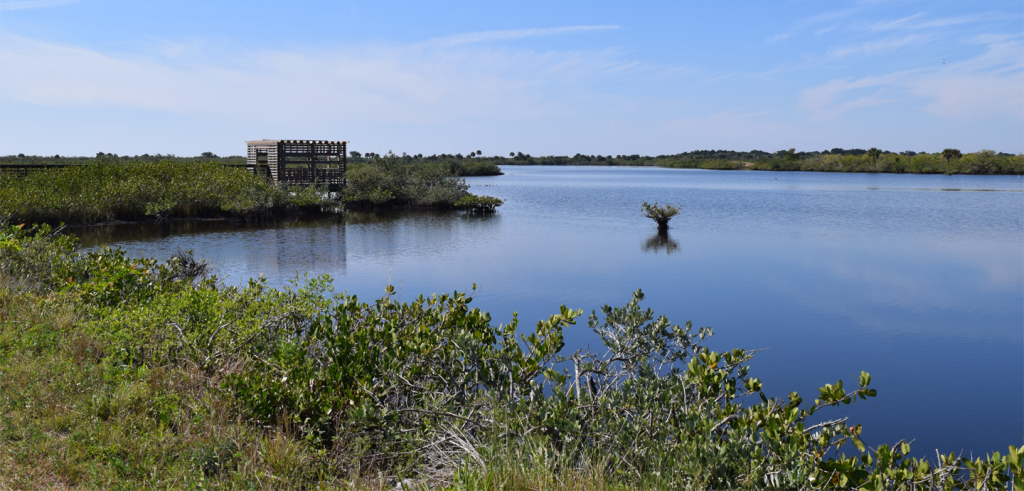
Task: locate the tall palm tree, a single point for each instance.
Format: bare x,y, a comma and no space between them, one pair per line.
950,154
873,154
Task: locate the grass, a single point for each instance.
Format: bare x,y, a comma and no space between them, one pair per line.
69,418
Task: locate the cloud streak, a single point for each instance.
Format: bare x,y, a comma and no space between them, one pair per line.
917,21
874,47
490,36
33,4
413,84
985,86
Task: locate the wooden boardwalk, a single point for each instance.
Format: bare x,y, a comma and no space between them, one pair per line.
22,170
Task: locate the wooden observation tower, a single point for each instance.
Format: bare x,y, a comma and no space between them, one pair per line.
301,162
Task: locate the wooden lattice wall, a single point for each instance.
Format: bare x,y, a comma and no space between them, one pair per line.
300,161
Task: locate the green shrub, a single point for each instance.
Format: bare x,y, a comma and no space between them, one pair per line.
475,167
660,214
478,204
389,182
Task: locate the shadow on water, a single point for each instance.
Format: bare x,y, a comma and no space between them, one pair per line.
660,242
280,249
121,232
96,235
368,218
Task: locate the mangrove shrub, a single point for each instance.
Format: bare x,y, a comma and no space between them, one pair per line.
389,181
660,214
107,190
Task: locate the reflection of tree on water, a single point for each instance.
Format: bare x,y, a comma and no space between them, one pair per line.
661,241
434,216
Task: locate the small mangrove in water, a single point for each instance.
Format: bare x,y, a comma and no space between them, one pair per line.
660,214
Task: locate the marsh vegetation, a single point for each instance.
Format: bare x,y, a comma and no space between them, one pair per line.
110,189
391,181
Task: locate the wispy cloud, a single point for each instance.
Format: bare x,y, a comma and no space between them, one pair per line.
405,84
822,101
918,21
984,86
981,87
994,38
488,36
33,4
815,20
874,47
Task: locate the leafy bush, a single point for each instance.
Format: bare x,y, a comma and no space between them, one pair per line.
389,182
475,167
660,214
479,204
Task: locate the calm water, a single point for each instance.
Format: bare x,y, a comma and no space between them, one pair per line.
915,279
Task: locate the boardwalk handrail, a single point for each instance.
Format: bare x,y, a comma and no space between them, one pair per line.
22,170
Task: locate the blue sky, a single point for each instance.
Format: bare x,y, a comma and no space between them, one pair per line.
542,77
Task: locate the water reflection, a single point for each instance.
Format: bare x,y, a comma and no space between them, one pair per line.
279,249
237,250
661,241
121,233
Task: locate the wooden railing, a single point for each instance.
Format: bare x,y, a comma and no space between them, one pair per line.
22,170
312,176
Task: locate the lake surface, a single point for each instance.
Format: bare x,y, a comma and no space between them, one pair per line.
917,279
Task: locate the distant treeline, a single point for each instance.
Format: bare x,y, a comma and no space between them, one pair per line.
949,161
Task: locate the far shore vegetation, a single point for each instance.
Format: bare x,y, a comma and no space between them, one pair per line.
873,160
111,188
134,373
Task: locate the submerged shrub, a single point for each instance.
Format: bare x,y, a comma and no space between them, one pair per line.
660,214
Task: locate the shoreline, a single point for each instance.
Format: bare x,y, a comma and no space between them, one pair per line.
196,219
749,166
